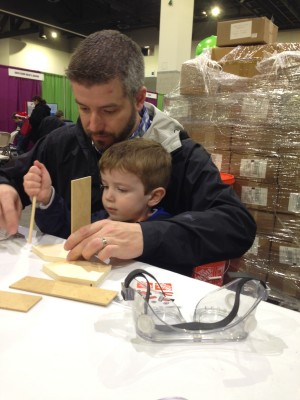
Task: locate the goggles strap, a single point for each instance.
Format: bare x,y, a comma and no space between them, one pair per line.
205,326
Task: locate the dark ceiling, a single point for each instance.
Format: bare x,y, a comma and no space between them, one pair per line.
82,17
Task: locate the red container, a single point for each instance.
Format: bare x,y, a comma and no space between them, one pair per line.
227,178
211,273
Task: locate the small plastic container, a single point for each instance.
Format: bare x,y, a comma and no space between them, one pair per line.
211,273
227,178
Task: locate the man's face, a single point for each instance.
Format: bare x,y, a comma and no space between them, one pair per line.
107,115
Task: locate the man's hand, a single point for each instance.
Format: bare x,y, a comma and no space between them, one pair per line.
37,182
106,239
10,209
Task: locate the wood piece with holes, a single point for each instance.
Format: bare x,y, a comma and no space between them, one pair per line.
66,290
82,272
18,301
80,202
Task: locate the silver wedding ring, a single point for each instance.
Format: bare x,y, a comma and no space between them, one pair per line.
104,242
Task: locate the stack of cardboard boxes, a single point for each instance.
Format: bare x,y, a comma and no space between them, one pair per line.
242,103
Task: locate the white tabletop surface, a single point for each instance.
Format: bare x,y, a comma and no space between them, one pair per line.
67,350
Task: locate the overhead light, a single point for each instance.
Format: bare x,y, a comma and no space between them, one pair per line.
42,34
215,11
54,34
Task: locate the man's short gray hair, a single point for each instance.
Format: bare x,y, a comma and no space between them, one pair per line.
106,55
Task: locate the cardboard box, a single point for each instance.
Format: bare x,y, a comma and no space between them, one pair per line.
289,145
284,274
246,31
251,52
254,167
244,68
265,221
217,53
221,159
256,195
193,77
285,255
289,171
256,261
284,282
288,200
256,139
287,227
212,136
242,60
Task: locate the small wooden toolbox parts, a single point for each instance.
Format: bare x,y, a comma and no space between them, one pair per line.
50,252
66,290
17,301
83,272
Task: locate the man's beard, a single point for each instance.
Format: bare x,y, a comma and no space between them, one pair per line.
119,137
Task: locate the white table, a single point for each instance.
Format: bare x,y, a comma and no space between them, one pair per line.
67,350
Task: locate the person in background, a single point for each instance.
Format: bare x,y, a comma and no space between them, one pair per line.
41,110
134,175
49,124
209,222
20,143
60,115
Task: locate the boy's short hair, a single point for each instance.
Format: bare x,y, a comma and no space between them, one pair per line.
144,158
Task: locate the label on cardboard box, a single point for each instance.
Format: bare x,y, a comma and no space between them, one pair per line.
254,195
294,203
289,255
253,168
217,159
240,30
254,107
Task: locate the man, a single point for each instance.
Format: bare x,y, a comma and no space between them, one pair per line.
41,110
209,224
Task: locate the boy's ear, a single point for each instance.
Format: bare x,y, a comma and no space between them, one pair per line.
156,196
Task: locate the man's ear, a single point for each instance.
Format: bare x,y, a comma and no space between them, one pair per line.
140,98
156,196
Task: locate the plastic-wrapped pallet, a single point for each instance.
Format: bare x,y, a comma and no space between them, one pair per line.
251,126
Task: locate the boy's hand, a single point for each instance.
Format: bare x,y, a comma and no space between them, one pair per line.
37,182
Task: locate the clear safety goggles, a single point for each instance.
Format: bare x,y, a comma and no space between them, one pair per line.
226,314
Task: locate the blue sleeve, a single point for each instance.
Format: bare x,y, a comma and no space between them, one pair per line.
56,219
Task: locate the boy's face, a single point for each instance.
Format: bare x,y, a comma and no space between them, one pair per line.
107,115
123,196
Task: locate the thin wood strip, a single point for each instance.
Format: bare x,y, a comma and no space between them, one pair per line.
18,301
32,219
71,291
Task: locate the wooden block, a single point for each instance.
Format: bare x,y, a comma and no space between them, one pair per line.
80,202
18,301
82,272
66,290
50,252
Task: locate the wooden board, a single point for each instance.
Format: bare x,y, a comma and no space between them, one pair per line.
80,202
66,290
50,252
83,272
18,301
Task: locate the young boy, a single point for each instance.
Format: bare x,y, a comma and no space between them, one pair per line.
134,175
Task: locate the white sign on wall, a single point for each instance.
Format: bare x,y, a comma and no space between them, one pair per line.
18,73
